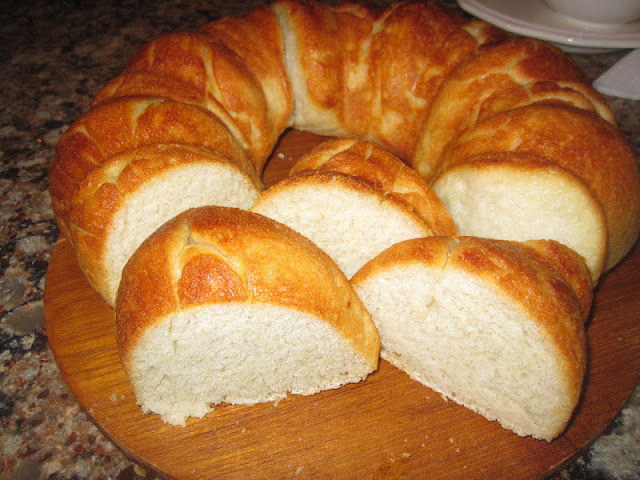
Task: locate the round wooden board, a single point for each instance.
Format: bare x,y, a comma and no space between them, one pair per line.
387,426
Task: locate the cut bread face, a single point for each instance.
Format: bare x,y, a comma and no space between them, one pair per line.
121,203
237,353
463,334
340,214
221,305
520,197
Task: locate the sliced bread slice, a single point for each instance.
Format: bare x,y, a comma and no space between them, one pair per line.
223,305
496,326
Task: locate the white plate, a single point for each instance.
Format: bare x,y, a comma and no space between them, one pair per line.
534,18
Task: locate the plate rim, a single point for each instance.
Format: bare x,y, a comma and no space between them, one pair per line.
572,36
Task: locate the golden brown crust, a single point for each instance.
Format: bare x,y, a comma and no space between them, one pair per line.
569,265
377,71
216,254
150,84
384,173
215,75
331,48
232,67
416,50
485,34
578,141
257,40
568,93
495,68
123,124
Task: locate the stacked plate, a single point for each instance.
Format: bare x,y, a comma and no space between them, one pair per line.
534,18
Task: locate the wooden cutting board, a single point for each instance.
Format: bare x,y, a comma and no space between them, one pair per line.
385,427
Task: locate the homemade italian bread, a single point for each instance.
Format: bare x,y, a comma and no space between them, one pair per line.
223,305
251,98
412,77
354,199
491,324
513,141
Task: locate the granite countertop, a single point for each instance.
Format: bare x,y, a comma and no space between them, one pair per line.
55,56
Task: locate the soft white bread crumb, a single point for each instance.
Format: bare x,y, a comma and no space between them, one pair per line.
462,332
347,221
575,141
238,354
500,197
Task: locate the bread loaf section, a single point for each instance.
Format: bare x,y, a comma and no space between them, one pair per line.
410,77
571,141
257,41
94,152
488,323
216,79
354,199
223,305
232,67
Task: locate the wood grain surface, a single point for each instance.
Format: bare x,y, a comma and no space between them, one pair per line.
385,427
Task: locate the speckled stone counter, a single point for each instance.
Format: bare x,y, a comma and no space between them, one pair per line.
55,56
